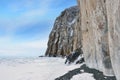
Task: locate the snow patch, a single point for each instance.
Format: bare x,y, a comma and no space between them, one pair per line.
83,76
73,21
82,70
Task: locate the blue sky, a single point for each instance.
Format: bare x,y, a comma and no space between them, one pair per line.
25,25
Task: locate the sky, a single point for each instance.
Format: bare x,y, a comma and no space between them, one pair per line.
25,25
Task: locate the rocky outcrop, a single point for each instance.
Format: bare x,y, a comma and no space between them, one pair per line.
100,21
64,37
76,57
98,75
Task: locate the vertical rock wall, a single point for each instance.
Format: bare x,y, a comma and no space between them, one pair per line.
113,13
100,27
95,35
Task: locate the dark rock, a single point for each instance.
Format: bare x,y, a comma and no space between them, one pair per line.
74,56
80,61
41,56
96,74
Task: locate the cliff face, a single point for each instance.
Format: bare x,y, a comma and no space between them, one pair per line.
100,28
64,37
95,28
113,16
95,35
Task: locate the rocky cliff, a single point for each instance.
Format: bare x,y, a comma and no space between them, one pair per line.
94,30
64,37
94,26
100,28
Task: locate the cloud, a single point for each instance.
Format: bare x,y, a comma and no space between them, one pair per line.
9,47
36,44
16,5
28,12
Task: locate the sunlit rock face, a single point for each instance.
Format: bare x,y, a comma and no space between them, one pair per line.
113,15
65,35
100,28
95,35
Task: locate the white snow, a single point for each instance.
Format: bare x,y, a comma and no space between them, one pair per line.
82,70
73,21
83,76
71,34
35,68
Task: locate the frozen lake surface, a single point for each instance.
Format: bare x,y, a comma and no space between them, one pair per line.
43,68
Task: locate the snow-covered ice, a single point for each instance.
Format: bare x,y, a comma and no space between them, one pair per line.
83,76
34,68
